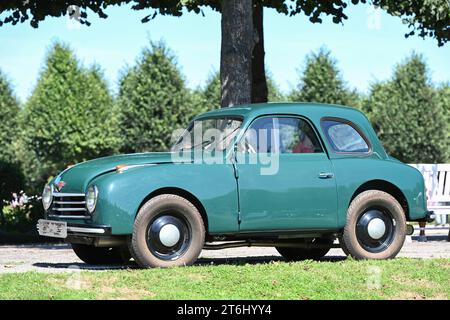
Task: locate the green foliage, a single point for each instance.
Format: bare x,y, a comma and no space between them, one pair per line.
154,101
444,99
11,181
69,117
211,92
21,213
444,103
9,112
321,81
407,115
274,93
424,17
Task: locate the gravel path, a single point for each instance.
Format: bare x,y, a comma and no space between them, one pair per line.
60,258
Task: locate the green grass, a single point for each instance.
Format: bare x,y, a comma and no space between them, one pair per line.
348,279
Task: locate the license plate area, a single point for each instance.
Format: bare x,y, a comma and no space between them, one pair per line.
50,228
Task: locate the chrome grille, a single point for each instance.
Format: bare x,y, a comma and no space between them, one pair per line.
68,206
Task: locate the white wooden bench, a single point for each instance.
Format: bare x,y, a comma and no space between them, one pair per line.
437,183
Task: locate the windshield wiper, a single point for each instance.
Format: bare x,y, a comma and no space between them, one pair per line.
201,144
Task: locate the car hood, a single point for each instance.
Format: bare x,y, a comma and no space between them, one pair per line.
77,177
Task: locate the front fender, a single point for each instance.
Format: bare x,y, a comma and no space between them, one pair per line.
122,193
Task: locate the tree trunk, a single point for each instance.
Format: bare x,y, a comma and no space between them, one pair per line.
259,83
236,52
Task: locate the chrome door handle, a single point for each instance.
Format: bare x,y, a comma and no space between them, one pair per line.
326,175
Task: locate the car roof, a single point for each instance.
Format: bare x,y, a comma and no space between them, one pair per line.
313,111
308,109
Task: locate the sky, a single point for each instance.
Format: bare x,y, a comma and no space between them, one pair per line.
367,46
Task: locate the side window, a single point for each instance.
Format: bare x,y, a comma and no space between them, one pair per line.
280,135
343,137
297,136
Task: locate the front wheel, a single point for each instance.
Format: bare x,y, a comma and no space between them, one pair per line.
168,231
376,226
99,255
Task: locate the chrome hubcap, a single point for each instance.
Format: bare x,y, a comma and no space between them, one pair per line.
169,235
376,228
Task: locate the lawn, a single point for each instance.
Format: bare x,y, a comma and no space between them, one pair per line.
348,279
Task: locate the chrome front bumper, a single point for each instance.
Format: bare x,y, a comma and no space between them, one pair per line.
86,230
75,229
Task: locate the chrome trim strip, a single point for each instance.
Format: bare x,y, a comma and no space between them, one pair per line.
68,217
69,209
86,230
69,202
131,166
60,194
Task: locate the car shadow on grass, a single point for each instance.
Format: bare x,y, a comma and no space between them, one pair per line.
38,246
76,266
200,262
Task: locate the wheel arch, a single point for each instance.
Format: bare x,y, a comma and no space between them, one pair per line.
182,193
386,186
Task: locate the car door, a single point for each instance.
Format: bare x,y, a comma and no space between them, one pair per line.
285,178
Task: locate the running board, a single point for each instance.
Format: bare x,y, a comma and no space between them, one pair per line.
238,244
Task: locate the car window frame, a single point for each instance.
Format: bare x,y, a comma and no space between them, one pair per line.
206,117
355,127
309,122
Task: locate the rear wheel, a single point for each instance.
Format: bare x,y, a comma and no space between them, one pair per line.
376,226
168,231
297,254
98,255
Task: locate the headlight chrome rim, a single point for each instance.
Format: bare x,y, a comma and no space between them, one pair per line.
91,198
47,197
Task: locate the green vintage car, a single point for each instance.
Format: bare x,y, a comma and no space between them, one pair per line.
296,177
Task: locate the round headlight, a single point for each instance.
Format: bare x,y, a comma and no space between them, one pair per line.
47,196
91,198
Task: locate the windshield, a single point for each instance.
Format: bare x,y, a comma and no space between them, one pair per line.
209,134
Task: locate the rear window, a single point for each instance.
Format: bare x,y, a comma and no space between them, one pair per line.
343,137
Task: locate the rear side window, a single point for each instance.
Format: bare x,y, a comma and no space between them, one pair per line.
343,137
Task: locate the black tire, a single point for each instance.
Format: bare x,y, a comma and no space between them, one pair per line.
297,254
99,256
147,246
364,242
343,247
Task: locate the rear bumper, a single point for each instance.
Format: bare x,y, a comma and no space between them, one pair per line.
430,216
